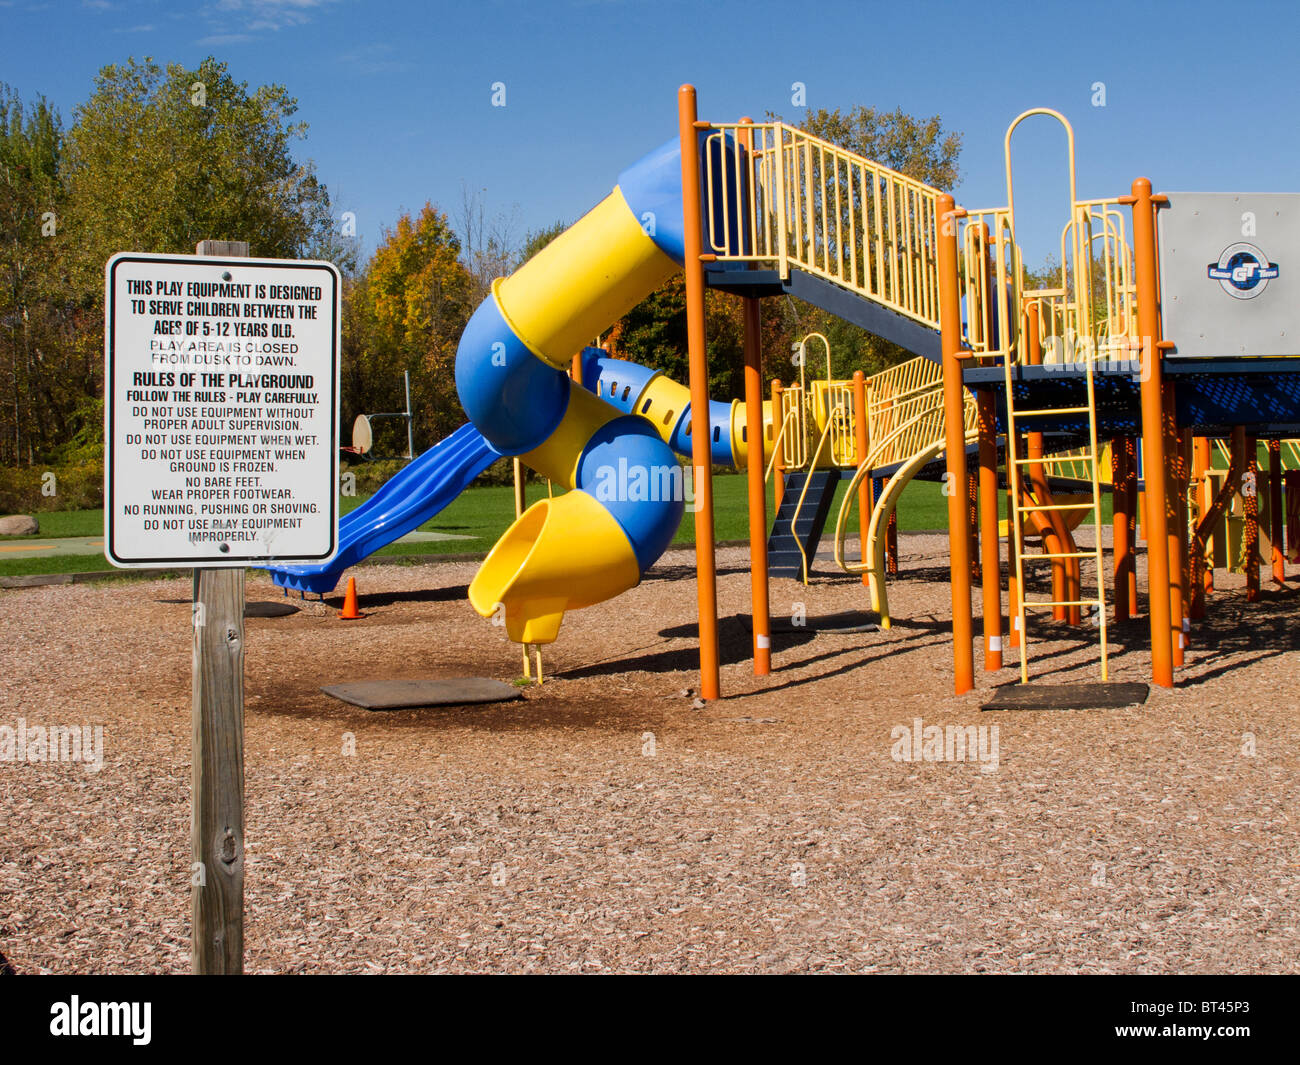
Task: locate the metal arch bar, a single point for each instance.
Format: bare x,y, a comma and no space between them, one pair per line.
1006,148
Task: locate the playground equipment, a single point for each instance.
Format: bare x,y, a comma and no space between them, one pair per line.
363,433
1062,369
1045,388
408,499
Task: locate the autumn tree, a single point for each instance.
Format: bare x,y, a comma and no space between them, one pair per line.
405,311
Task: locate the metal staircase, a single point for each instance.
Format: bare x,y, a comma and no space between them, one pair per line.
796,531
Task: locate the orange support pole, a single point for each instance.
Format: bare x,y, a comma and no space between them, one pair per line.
697,351
1121,469
778,446
1185,458
1153,435
973,526
1201,581
863,443
955,445
1275,510
990,558
575,368
1213,513
891,540
761,623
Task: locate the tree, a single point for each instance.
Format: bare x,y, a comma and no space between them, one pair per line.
156,160
159,159
536,241
48,389
917,147
406,312
488,245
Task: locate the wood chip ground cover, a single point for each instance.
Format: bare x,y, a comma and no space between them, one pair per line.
604,824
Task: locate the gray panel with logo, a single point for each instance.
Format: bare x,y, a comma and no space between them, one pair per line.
1230,273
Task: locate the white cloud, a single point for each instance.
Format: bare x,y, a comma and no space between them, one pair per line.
239,21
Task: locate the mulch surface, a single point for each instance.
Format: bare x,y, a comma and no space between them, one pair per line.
605,823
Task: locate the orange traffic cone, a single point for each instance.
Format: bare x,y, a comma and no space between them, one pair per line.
350,611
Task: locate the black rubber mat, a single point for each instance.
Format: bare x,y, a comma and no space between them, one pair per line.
268,609
847,621
1098,696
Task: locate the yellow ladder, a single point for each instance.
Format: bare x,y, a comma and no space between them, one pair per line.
1016,463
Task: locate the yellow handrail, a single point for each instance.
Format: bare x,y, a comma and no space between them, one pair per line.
851,493
771,463
874,459
804,202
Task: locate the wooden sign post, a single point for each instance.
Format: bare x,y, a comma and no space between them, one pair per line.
217,741
221,378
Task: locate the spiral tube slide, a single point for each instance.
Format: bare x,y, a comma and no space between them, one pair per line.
666,404
591,543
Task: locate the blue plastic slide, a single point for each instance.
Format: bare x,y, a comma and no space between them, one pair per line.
406,501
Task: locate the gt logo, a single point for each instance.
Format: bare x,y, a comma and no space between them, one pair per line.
1243,271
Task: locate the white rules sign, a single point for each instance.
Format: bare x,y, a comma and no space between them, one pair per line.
221,410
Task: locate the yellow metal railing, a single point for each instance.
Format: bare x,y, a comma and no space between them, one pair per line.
778,448
1075,465
794,418
1091,315
796,200
890,390
991,264
833,406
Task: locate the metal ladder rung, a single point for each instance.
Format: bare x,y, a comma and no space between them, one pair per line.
1050,410
1057,554
1055,506
1061,602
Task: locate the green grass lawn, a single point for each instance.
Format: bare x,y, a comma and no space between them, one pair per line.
484,513
58,523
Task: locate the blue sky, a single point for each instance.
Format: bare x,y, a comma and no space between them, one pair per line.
1199,95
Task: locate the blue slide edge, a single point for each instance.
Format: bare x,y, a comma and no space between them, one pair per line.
407,500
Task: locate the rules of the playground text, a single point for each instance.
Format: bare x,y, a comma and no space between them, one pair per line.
221,416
